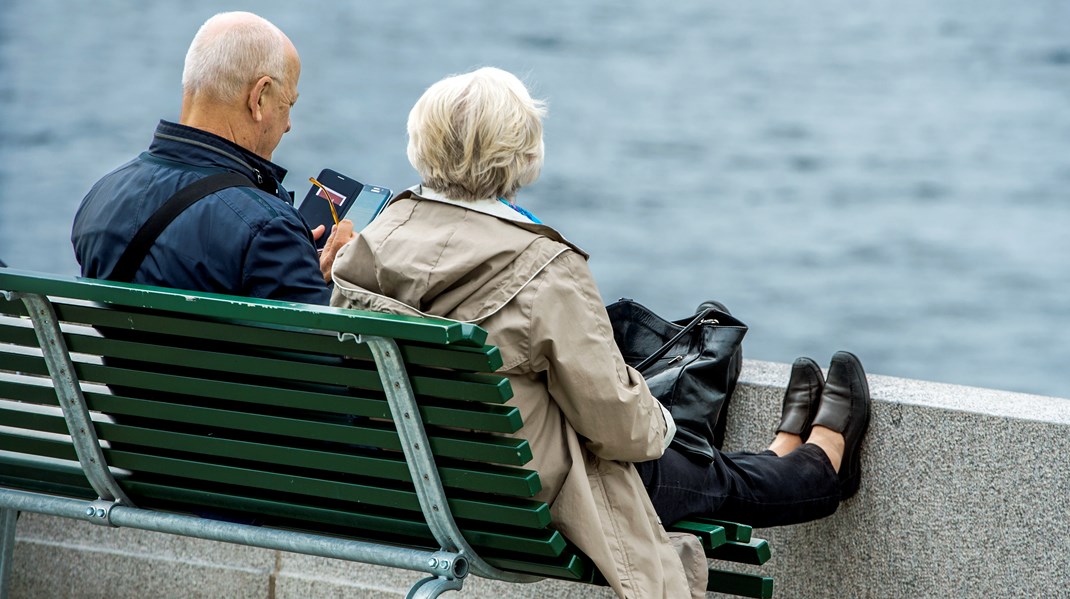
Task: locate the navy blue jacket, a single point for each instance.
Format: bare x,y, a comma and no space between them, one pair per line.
238,241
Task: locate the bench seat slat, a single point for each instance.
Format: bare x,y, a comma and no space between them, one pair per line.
711,535
756,552
735,583
736,532
569,567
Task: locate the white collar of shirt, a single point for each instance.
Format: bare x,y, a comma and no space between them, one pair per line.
491,206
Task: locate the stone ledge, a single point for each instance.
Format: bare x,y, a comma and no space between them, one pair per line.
132,564
302,577
965,494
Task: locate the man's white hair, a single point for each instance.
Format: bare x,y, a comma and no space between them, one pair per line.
477,135
230,51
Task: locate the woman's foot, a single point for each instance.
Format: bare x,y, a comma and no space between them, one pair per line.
800,404
844,410
801,398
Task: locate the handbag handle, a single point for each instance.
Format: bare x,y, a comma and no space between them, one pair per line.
661,351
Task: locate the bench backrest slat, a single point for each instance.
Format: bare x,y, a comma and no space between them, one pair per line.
311,396
387,465
257,408
244,363
475,359
445,442
60,478
228,307
391,528
505,450
547,543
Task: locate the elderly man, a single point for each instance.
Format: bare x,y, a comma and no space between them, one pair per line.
204,208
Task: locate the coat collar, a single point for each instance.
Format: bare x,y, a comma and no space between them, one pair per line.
490,207
179,142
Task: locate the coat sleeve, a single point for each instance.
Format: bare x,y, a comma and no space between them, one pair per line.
606,401
281,264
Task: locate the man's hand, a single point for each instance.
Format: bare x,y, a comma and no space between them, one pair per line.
318,232
341,234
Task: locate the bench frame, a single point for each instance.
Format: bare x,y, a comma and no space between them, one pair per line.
446,567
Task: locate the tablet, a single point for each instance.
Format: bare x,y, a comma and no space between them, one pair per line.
350,198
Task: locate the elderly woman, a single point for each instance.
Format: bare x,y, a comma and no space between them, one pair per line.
458,246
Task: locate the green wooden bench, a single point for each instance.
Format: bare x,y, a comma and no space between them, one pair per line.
284,426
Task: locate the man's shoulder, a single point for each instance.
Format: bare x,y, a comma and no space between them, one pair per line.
118,175
159,179
254,206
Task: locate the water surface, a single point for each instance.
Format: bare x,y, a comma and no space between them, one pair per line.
890,178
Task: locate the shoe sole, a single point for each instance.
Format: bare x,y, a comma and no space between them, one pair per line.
850,486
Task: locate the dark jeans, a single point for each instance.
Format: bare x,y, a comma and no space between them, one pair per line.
759,489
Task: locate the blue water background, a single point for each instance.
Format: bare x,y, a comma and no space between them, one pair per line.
887,177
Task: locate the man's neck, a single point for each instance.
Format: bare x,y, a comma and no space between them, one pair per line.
217,118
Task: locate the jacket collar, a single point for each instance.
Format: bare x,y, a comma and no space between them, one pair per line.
181,143
491,208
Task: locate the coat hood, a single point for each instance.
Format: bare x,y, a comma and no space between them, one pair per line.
427,257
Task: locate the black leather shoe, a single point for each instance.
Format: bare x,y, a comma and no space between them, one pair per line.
844,408
801,398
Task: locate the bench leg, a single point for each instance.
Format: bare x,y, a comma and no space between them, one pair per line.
433,586
7,548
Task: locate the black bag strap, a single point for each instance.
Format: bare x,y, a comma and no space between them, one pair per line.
657,355
135,253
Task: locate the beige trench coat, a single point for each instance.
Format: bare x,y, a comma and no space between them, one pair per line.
586,414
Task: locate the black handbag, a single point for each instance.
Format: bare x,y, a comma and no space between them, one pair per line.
691,366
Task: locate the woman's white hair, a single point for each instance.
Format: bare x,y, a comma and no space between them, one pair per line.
477,135
232,50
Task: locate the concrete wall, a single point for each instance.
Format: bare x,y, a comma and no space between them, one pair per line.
966,494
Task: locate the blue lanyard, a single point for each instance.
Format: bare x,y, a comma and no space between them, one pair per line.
533,218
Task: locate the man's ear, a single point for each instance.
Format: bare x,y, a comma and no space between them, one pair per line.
256,97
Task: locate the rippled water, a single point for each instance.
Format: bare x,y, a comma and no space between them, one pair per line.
890,178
